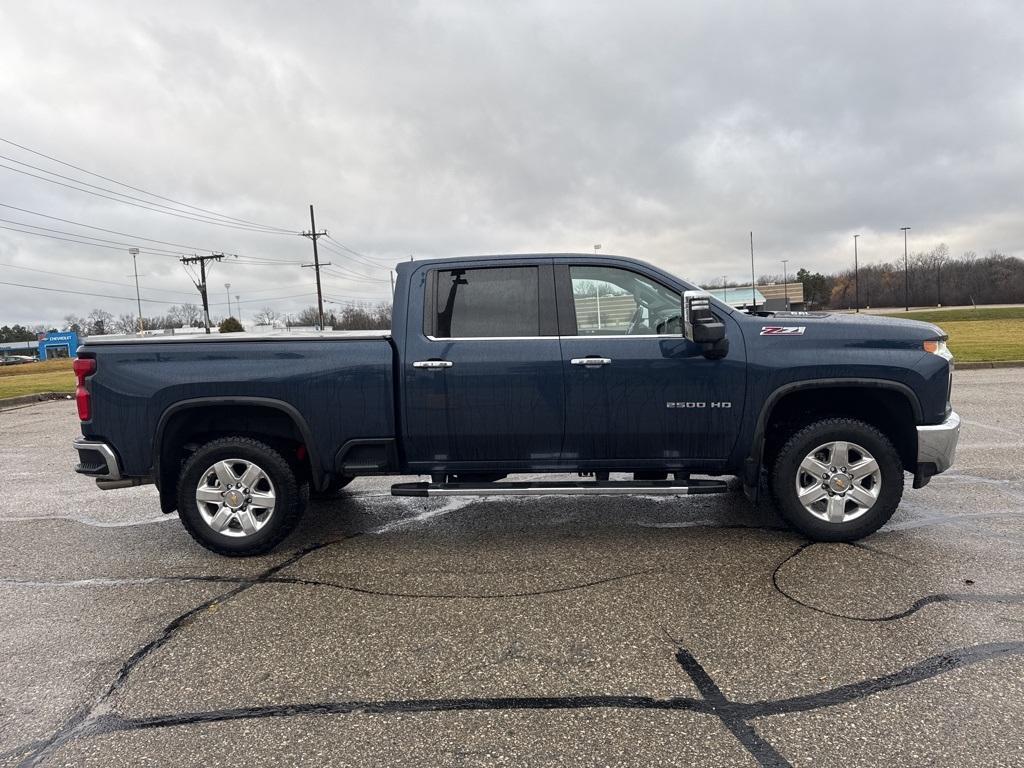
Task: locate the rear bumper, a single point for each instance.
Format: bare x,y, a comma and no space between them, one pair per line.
98,461
936,448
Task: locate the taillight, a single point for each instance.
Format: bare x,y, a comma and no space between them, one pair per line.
83,367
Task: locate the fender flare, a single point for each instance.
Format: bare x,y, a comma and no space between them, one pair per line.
752,465
266,402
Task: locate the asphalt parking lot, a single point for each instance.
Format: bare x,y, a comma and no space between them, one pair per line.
611,631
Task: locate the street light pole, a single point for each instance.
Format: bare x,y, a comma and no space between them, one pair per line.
238,307
227,290
135,252
856,275
785,283
906,273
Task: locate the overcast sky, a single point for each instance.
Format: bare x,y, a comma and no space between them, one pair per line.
664,131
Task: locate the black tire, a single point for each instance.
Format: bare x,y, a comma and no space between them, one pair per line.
292,495
333,489
785,470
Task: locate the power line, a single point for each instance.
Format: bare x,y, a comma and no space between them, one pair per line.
169,212
83,242
83,293
102,229
87,237
135,188
92,279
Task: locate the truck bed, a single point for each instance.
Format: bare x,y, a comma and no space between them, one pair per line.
338,385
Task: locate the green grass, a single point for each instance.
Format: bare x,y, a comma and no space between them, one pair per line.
940,316
33,378
985,340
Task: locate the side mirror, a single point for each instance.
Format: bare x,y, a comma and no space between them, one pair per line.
701,326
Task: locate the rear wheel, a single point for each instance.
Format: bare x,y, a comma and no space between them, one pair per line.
837,480
238,496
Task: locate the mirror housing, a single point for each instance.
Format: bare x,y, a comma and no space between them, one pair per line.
702,327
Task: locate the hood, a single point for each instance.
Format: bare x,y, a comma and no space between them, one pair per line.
856,324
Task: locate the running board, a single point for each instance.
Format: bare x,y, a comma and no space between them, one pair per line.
571,488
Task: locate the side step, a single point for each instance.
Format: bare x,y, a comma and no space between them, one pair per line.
565,488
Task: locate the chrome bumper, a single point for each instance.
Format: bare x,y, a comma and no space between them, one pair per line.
936,443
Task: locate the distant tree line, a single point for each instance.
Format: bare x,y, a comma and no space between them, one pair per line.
353,318
933,278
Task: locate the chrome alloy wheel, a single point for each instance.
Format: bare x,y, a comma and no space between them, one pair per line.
235,497
838,482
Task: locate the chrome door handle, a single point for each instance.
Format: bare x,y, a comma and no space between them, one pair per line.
591,361
432,364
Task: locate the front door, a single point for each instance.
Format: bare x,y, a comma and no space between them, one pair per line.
638,394
483,371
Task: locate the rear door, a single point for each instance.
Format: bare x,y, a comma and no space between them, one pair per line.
638,394
483,370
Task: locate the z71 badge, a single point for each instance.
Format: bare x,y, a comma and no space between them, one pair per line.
783,330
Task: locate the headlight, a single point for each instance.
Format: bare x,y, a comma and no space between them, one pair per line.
938,347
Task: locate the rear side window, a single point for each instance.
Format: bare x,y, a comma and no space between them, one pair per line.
491,301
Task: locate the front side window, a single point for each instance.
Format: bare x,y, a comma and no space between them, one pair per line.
617,302
487,302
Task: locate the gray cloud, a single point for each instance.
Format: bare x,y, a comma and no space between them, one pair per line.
664,131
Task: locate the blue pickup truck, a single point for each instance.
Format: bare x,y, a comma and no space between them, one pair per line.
552,363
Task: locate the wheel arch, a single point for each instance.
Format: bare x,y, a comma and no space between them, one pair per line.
226,415
891,406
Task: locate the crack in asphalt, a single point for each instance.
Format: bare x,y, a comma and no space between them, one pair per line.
734,715
92,719
1009,598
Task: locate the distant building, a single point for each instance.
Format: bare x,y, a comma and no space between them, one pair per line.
771,296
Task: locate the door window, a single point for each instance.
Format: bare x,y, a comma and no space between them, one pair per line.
487,302
617,302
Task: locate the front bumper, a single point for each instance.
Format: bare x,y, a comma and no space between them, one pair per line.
936,448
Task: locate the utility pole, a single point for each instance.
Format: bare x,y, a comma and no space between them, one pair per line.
906,273
391,277
238,306
785,283
753,281
227,290
201,285
856,275
135,252
314,235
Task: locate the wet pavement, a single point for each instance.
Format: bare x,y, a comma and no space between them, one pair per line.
549,631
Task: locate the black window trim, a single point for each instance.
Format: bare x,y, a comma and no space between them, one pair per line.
547,319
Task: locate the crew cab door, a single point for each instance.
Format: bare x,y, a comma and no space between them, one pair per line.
483,370
638,394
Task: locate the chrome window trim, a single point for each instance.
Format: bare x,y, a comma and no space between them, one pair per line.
535,338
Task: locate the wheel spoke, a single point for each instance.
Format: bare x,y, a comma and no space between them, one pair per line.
224,473
247,521
813,467
210,495
862,495
840,454
251,475
221,519
863,468
836,509
262,500
812,494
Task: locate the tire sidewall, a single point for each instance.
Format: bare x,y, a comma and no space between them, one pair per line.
807,439
282,475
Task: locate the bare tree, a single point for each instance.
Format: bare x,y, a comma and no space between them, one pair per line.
100,322
266,316
126,323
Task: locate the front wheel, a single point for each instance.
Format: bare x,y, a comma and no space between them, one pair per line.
837,480
238,496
